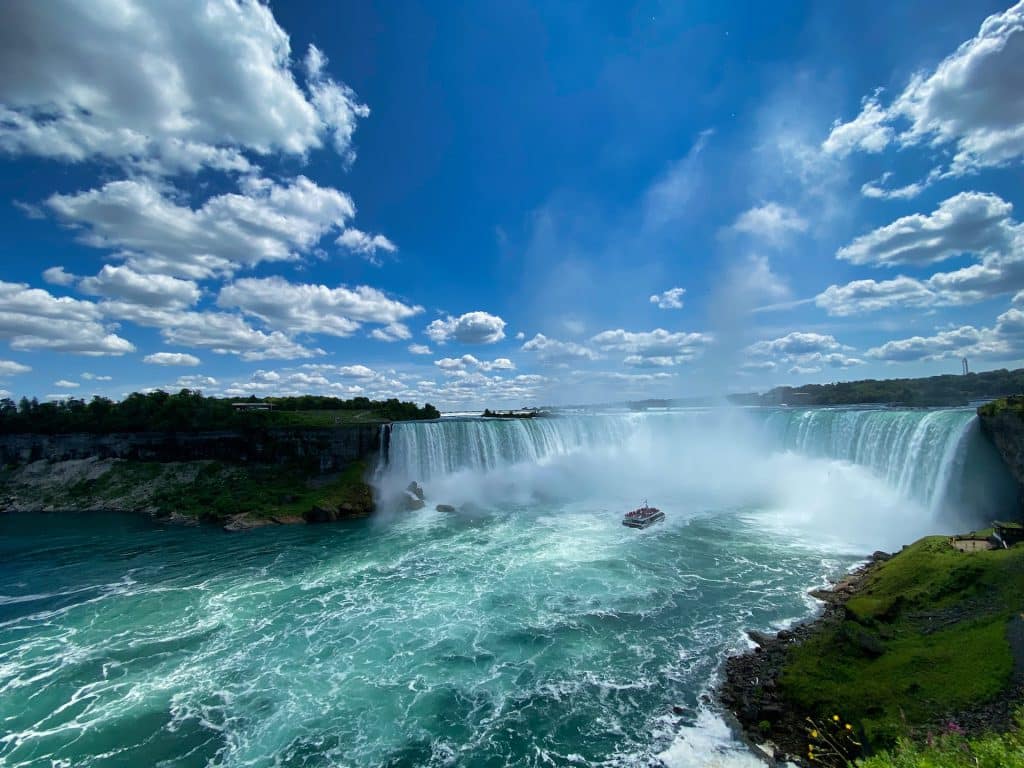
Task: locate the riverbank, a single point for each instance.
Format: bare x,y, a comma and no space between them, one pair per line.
235,496
926,641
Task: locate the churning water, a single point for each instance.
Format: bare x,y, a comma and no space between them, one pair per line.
528,628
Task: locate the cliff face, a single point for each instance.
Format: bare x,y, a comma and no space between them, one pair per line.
334,448
1002,421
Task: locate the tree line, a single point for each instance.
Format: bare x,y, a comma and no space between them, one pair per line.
185,411
945,390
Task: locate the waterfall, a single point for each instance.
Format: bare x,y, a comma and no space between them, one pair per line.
935,457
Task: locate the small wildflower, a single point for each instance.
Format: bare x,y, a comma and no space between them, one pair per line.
835,718
849,727
814,733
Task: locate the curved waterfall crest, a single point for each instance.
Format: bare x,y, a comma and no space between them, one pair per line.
926,455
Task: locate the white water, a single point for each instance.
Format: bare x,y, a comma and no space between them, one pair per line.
892,473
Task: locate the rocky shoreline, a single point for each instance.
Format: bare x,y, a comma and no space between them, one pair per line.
750,689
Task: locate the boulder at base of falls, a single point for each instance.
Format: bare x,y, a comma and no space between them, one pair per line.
415,489
411,502
445,508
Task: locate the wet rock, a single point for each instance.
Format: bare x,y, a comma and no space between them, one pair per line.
679,709
415,489
288,520
410,502
318,514
445,508
880,556
245,522
761,638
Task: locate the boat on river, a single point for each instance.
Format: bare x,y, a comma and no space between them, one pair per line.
642,517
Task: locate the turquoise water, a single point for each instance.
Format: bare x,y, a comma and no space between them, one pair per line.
529,629
513,638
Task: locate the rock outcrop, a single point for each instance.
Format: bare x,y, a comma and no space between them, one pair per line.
1002,422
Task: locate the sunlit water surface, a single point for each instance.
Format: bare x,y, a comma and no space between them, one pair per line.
529,629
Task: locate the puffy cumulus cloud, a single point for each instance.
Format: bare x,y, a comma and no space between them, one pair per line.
391,332
971,101
12,368
468,362
420,349
32,318
771,222
65,384
470,328
58,276
164,87
269,222
555,351
862,296
644,346
149,290
805,352
365,245
196,382
226,334
96,377
795,343
1003,341
171,358
970,222
670,299
868,131
305,308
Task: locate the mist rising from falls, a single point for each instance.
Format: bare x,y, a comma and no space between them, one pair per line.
865,475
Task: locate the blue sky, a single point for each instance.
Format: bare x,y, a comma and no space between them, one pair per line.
490,204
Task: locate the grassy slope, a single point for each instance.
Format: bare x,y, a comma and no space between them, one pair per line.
939,618
955,751
212,489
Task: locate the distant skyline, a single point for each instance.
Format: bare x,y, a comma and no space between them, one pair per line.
491,204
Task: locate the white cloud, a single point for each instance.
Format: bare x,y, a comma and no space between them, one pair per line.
171,358
391,332
468,362
196,382
876,189
306,308
972,101
32,318
805,352
555,351
1003,341
163,87
96,377
12,368
365,245
970,222
226,334
470,328
771,222
420,349
269,222
65,384
57,276
148,290
796,343
670,299
659,343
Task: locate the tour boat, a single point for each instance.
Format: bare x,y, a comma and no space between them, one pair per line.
642,517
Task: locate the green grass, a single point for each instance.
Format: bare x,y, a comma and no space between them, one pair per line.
927,636
1014,403
954,751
